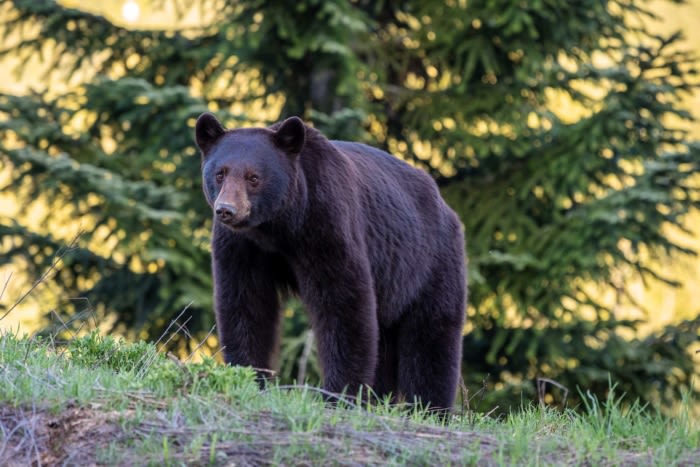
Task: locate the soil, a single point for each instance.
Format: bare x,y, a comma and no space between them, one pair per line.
73,436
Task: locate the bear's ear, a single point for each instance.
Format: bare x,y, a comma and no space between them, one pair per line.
207,131
291,135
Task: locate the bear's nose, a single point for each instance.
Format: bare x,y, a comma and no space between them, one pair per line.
225,212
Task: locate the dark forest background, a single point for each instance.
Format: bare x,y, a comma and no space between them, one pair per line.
555,129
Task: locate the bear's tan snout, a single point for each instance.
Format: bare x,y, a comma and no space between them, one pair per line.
225,212
232,208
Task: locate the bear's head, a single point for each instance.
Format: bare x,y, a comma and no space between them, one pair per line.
249,173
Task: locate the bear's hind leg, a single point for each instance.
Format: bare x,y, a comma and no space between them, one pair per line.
387,361
430,343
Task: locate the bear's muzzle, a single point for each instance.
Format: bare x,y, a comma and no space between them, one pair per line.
225,212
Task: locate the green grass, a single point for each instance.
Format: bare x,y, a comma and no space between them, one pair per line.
97,400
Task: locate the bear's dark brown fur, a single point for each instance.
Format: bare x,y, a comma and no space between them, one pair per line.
364,239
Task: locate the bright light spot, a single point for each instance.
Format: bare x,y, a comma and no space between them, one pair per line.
131,11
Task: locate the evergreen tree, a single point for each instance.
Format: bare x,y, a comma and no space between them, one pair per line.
556,201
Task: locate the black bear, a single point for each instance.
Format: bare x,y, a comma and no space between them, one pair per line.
364,239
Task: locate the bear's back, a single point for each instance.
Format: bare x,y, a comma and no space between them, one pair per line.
393,185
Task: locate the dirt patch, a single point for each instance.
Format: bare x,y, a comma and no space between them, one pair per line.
84,435
266,440
33,436
76,435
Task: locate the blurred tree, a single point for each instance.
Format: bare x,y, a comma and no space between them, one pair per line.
551,127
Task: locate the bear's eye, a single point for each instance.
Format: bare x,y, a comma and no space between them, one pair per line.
253,179
220,176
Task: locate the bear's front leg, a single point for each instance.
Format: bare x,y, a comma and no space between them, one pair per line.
245,300
341,302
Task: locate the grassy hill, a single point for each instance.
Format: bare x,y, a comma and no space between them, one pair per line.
94,400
